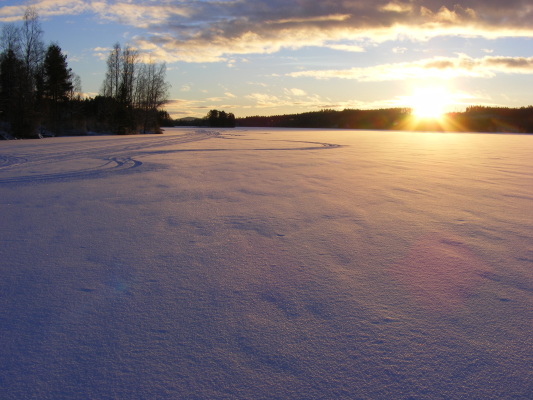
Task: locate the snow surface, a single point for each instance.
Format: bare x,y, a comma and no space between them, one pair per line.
267,264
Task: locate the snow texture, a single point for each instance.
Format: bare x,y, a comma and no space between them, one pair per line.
267,264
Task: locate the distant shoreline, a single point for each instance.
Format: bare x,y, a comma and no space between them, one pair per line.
474,119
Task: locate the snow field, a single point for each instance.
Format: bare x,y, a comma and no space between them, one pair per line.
267,264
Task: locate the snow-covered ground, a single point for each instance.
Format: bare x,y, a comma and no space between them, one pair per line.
267,264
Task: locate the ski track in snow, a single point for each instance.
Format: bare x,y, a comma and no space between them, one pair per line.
267,264
95,150
113,159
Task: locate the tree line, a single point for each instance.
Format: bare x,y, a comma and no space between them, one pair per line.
495,119
214,118
332,119
473,119
41,95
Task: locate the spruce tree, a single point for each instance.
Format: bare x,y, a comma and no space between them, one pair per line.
12,96
57,84
57,75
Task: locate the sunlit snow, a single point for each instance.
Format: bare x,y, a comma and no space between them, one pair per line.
267,264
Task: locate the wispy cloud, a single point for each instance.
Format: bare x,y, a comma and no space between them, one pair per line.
295,92
437,67
128,12
45,8
140,14
294,100
183,108
205,31
265,100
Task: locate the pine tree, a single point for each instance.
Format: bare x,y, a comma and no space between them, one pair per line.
57,84
20,70
57,75
12,94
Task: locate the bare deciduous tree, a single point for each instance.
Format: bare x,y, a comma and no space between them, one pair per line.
114,68
10,39
76,91
151,92
130,58
32,45
138,89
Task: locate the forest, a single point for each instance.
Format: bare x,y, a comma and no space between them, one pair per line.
41,96
473,119
346,119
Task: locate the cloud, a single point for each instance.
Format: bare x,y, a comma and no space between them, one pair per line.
265,100
214,30
262,84
298,103
182,107
437,68
312,19
289,99
399,50
140,14
45,8
347,47
295,92
517,65
102,53
135,13
397,7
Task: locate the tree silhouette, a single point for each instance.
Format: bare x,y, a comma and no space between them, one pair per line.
220,119
13,94
137,91
57,75
21,72
57,85
112,79
38,88
151,93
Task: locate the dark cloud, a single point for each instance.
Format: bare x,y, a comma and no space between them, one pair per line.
440,64
511,63
197,30
215,28
235,17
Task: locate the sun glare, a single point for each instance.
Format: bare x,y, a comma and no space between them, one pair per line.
429,103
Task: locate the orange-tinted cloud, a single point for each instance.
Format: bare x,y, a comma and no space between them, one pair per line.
205,31
438,67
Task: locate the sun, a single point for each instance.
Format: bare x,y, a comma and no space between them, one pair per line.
429,102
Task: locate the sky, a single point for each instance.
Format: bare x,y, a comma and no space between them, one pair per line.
271,57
